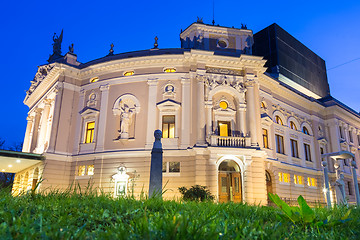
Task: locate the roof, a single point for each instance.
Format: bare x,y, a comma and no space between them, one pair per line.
13,162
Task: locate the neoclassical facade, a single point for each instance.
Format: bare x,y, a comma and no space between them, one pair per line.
227,124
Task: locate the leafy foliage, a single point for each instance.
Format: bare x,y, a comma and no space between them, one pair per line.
196,193
89,214
304,214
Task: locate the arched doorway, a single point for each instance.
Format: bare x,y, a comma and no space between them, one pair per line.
229,182
268,183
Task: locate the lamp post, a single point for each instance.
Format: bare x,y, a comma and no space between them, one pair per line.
327,188
342,155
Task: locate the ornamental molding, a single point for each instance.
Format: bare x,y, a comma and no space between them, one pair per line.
226,71
213,81
41,74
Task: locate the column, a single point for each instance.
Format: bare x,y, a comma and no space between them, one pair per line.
43,126
151,116
209,130
34,137
101,126
185,113
56,116
26,145
242,119
200,110
355,181
79,122
250,100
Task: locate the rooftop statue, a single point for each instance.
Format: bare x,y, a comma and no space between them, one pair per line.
56,47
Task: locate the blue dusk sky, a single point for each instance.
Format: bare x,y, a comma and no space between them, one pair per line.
331,29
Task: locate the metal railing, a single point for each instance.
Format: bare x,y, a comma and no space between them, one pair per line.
238,142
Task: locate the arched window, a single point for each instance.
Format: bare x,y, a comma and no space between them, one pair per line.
293,126
306,131
278,120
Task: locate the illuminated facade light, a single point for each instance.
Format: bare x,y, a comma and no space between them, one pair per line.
94,79
18,161
128,73
169,70
10,165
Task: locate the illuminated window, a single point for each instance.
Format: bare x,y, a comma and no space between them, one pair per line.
263,105
223,105
284,177
293,126
307,152
294,148
224,129
90,170
311,182
89,132
94,79
306,131
81,170
265,138
128,73
169,70
171,167
168,126
278,120
84,170
279,144
298,179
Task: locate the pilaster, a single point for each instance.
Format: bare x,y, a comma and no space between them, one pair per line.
59,89
35,132
102,119
200,79
27,141
185,113
79,121
151,116
43,126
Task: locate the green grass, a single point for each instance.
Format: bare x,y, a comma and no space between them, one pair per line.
87,216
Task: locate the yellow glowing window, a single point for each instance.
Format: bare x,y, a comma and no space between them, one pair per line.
81,170
286,177
263,105
280,177
89,133
90,169
298,179
168,126
224,129
278,120
311,182
265,138
128,73
292,125
169,70
223,105
95,79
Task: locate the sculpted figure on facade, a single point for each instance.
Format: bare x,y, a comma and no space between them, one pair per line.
340,190
126,107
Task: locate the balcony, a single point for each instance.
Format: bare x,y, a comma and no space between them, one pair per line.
237,142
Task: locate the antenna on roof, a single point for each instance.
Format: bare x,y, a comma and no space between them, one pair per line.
213,21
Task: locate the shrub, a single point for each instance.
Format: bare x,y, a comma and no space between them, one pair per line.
196,193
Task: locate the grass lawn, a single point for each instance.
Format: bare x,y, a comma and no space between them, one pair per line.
86,216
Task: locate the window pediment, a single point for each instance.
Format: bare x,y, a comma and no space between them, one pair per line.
168,104
266,119
322,141
88,111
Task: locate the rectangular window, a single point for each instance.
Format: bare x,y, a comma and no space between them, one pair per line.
358,137
85,170
298,179
350,137
311,182
341,132
349,187
224,129
89,132
321,153
307,152
279,144
284,177
81,170
171,167
174,166
90,170
294,148
265,138
168,126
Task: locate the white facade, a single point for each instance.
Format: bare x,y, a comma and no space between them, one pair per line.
90,119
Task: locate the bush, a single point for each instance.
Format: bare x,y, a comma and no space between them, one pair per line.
196,193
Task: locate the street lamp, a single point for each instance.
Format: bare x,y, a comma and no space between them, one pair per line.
340,155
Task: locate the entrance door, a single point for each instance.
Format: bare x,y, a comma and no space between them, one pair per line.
236,186
224,187
224,129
